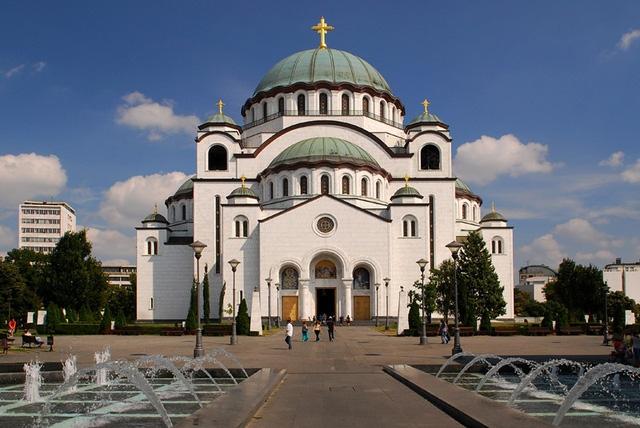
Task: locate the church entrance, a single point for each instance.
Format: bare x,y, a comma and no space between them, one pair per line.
326,302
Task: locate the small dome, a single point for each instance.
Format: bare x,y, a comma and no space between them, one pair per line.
322,65
460,185
243,192
221,118
424,117
324,149
407,191
186,189
493,216
155,218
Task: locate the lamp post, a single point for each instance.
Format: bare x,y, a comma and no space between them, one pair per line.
386,286
234,337
605,327
423,264
269,287
454,247
377,285
198,247
278,304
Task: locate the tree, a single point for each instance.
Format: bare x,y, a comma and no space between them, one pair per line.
53,317
525,306
121,297
414,318
221,301
206,308
442,282
617,303
121,320
86,315
105,323
33,268
430,297
192,316
16,299
243,322
76,277
555,311
479,288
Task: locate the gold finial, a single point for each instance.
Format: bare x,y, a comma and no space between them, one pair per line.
243,178
425,104
220,104
493,206
322,28
155,208
406,180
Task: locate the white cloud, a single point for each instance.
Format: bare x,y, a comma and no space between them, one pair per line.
616,159
543,250
632,174
602,256
628,38
158,119
581,231
483,160
12,72
39,66
112,246
8,239
27,176
127,202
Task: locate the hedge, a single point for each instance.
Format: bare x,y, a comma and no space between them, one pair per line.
78,328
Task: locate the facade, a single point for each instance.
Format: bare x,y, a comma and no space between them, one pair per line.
41,224
533,278
623,277
325,195
119,275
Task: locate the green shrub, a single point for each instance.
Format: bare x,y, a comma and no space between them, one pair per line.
414,318
192,316
243,322
72,316
86,316
53,318
121,320
206,307
105,324
78,328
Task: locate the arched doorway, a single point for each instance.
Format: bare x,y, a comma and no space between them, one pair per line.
326,285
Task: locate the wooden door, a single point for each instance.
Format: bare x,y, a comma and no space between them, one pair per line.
290,308
361,308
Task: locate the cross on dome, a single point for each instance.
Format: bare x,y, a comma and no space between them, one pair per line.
425,104
406,180
243,178
322,28
220,104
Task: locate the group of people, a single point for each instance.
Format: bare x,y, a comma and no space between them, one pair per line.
317,329
626,351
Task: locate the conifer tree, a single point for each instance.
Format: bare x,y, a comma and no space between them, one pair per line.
105,323
243,322
221,301
206,308
121,320
192,316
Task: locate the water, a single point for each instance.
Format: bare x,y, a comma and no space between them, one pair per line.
102,357
32,382
69,367
504,362
479,358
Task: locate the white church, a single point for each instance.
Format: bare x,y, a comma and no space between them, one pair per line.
326,195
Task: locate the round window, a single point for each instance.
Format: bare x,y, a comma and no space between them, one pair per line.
325,224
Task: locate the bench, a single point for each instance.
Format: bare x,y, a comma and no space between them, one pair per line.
497,331
594,329
464,331
538,331
125,331
172,332
31,340
566,331
217,330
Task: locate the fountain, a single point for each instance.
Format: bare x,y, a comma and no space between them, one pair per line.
69,367
478,358
232,357
102,357
542,368
33,380
452,359
162,362
504,362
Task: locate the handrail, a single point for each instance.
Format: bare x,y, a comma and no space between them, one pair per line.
322,113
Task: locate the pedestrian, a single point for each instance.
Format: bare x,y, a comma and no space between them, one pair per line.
348,321
341,320
316,330
444,332
305,331
289,336
330,328
635,345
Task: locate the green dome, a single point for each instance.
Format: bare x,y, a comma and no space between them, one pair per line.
320,149
407,191
460,185
155,218
243,192
221,118
185,189
424,117
322,65
493,216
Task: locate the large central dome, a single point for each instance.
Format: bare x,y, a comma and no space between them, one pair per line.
324,149
322,65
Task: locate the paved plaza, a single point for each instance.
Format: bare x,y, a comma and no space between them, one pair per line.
337,383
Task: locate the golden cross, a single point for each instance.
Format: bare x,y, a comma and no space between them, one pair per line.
425,104
220,105
406,180
322,28
243,178
493,206
155,209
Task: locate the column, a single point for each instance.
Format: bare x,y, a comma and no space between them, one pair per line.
348,304
303,293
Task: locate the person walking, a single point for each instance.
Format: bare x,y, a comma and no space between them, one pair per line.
289,336
635,346
305,331
444,332
316,330
330,328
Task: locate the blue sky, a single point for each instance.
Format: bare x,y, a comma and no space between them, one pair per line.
542,99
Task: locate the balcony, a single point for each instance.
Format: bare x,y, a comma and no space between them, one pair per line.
319,113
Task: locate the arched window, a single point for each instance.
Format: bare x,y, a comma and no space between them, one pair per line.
289,278
382,110
152,246
285,187
430,157
217,158
345,105
364,187
475,213
378,190
304,186
184,212
324,104
345,185
271,190
173,213
281,105
409,227
465,208
365,106
324,184
325,269
361,279
393,113
264,111
497,245
302,106
241,227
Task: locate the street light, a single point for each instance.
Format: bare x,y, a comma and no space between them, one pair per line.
423,339
269,287
198,247
377,284
386,286
234,337
278,304
605,328
454,247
